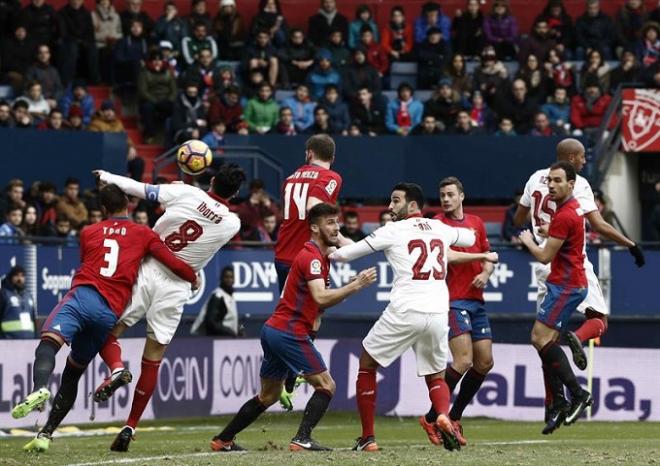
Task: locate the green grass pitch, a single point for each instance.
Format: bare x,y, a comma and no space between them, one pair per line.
402,442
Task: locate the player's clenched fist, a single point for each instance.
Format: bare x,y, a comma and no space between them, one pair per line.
366,277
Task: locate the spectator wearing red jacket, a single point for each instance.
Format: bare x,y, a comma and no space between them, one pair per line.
397,40
376,55
227,107
588,108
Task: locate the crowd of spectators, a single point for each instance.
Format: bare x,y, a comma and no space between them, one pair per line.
176,68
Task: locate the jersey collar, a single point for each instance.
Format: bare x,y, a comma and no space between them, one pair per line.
118,218
218,198
415,216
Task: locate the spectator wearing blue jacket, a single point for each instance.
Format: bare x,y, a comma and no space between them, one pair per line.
558,107
323,74
363,17
432,17
128,55
337,109
10,231
76,93
404,112
302,107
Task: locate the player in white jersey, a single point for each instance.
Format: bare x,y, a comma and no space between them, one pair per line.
195,225
536,201
417,249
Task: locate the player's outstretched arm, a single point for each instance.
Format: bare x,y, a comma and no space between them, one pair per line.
543,255
328,297
352,251
456,257
599,224
128,185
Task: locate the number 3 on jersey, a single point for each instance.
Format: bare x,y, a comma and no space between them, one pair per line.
296,192
418,273
110,257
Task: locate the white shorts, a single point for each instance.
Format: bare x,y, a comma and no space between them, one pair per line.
395,332
160,296
594,299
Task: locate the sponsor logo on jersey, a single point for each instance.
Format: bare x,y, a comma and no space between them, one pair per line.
315,267
330,187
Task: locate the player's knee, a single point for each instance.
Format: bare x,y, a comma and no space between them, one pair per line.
323,382
462,364
484,366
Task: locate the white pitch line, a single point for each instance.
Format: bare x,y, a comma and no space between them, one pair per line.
197,455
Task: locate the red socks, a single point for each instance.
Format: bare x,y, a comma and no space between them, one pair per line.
111,353
143,390
439,395
365,389
591,328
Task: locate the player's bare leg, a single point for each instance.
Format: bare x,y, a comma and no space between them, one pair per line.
461,352
293,380
111,355
249,412
594,326
44,364
544,339
151,357
365,394
324,390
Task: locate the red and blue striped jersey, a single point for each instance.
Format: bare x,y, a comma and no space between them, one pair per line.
567,268
296,311
460,276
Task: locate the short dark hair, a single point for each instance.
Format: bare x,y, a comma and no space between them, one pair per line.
47,187
71,180
112,198
62,218
569,169
225,269
198,24
228,180
366,28
20,103
257,183
321,210
323,147
448,181
320,108
404,85
413,192
351,214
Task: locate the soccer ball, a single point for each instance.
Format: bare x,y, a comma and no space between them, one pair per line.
193,157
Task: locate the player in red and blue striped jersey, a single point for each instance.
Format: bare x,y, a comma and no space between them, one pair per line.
111,253
285,337
567,288
470,336
311,184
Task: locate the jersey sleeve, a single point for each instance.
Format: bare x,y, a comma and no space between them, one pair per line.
526,198
462,237
560,225
484,244
311,267
166,193
585,196
327,188
382,238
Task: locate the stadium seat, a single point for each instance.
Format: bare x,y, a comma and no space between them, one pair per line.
134,135
281,95
99,93
6,92
401,72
